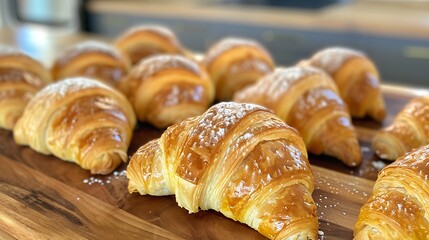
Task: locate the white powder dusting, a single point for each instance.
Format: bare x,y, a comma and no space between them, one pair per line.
331,59
158,29
249,65
274,85
152,65
88,46
70,85
213,125
230,43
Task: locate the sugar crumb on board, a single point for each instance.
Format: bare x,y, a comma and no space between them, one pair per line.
328,201
105,179
365,149
321,235
378,164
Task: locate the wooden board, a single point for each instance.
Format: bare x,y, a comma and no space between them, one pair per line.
43,197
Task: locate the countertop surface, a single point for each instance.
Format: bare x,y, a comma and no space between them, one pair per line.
44,197
408,19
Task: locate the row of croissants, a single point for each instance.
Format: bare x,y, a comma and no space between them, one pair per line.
245,156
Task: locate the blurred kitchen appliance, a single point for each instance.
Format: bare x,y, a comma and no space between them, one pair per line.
62,15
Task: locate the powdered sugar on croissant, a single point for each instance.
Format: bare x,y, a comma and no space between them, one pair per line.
238,159
307,99
79,120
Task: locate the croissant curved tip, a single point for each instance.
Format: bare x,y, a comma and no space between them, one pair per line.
360,236
378,113
132,186
367,233
381,150
385,147
304,229
105,163
347,151
12,119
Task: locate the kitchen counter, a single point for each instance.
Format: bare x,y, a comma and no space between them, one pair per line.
378,17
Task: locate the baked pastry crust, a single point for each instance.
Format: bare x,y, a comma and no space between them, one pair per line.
409,130
79,120
143,41
21,76
357,79
167,89
239,159
234,63
399,205
307,99
92,59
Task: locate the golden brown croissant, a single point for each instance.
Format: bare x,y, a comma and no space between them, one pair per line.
234,63
79,120
166,89
21,77
307,99
92,59
357,79
146,40
239,159
409,130
399,205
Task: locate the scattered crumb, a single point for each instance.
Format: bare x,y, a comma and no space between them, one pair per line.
321,234
365,149
378,164
105,179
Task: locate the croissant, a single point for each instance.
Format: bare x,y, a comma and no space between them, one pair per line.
79,120
409,130
146,40
166,89
399,205
238,159
21,77
307,99
234,63
357,79
92,59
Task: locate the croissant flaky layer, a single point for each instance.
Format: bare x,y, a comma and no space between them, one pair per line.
94,60
167,89
143,41
20,78
238,159
79,120
235,63
307,99
399,205
357,79
409,130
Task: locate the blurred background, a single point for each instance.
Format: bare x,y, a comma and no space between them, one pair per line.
394,33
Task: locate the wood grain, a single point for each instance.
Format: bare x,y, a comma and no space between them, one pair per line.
42,197
35,206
